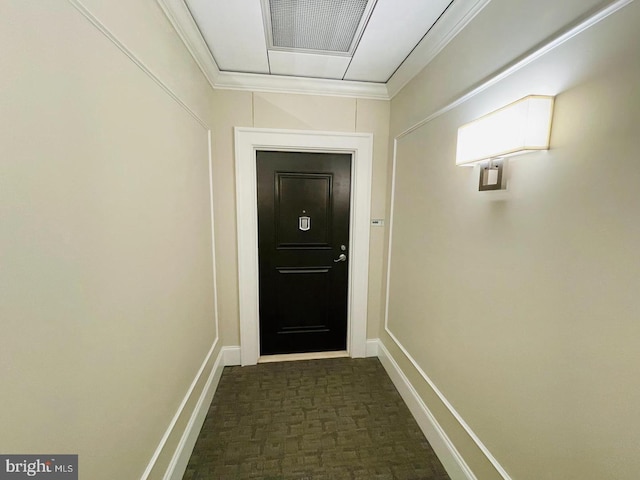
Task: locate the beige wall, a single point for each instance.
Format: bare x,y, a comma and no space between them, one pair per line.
522,307
106,285
303,112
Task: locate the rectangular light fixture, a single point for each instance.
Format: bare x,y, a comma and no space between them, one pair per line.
520,127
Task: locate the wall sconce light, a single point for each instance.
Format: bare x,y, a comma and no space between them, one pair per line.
520,127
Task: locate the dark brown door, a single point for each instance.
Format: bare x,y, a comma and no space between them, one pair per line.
303,239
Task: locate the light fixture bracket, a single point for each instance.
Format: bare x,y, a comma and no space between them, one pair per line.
492,175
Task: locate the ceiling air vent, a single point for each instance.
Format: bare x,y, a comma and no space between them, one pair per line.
316,26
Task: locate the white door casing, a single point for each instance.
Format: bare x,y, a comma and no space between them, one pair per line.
360,145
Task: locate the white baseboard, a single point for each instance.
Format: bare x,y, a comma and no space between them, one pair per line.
179,412
451,459
228,356
372,347
180,459
231,356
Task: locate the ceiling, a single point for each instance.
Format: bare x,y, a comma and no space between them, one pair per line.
367,48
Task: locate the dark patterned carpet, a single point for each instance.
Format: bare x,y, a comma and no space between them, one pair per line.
311,420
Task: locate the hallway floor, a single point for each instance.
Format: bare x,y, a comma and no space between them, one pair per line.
311,420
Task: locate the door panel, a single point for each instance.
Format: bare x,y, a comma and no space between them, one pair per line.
303,226
302,294
313,191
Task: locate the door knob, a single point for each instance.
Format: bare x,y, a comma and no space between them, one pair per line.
341,258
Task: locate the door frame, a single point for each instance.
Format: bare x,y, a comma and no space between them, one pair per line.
360,145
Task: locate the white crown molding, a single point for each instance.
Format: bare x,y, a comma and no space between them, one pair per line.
180,17
301,85
453,20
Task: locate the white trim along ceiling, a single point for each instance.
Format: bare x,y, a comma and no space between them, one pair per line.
376,64
360,145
